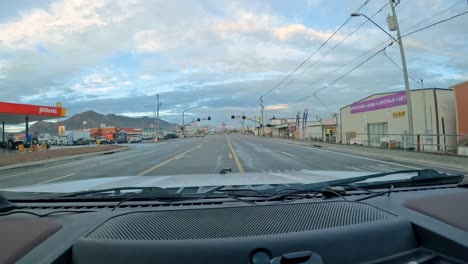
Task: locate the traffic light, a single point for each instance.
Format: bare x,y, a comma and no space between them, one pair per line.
198,119
209,118
233,117
243,117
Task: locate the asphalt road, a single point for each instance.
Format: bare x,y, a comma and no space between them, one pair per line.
207,154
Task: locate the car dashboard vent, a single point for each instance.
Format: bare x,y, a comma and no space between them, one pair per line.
230,222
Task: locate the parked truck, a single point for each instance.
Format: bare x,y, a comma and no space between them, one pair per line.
44,138
76,137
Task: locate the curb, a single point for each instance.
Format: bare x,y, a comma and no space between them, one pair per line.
77,156
404,159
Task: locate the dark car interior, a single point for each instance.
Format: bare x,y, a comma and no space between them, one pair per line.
427,224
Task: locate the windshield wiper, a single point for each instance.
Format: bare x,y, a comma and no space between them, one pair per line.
422,175
123,192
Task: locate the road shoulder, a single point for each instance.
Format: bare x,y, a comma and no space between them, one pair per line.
12,161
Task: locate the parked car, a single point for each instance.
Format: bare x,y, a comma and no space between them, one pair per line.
135,139
101,140
53,140
170,136
147,138
63,141
82,141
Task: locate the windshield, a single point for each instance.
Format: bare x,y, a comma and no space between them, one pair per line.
103,94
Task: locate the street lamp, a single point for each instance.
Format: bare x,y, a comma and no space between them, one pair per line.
84,123
403,61
183,116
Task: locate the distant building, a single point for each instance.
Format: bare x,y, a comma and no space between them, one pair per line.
461,112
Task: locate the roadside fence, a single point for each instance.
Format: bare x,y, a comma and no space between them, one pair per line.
447,144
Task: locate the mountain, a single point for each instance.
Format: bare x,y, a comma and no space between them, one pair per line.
94,119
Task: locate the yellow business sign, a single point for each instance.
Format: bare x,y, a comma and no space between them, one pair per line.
399,114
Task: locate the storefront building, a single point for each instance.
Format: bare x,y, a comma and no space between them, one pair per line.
381,120
461,105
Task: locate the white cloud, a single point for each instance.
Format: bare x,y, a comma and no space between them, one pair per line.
290,31
51,25
276,107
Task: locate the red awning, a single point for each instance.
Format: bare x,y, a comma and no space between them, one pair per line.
12,113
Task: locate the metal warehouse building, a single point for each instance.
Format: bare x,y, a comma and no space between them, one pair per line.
382,120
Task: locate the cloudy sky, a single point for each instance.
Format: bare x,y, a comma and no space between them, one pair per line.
115,56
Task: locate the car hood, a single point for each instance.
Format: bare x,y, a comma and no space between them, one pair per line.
199,180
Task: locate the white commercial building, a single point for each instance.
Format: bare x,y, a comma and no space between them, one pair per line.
382,120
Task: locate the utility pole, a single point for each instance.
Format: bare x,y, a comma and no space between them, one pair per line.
261,107
405,70
158,105
243,121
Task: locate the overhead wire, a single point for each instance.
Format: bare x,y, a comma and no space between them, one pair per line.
349,71
354,68
333,48
399,67
434,24
407,34
313,53
357,66
345,65
434,15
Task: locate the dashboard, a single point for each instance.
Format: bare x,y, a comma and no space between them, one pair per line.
411,225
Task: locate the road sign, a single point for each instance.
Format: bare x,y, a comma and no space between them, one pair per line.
260,120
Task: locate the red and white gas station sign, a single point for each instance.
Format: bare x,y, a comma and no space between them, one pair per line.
36,110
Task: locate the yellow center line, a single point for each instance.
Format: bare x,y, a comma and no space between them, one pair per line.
176,157
236,159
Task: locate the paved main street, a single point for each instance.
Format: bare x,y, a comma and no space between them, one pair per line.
207,154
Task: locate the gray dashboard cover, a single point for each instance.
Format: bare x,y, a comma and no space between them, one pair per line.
232,222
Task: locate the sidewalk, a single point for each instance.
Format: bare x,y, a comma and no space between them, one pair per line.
447,161
25,159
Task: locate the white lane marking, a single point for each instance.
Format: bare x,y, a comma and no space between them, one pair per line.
230,155
66,176
288,154
343,154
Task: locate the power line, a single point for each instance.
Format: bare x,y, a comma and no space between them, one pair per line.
436,14
410,33
434,24
323,105
344,65
310,56
431,25
342,76
333,48
354,68
399,67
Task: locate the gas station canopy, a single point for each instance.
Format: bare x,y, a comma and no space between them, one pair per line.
12,113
